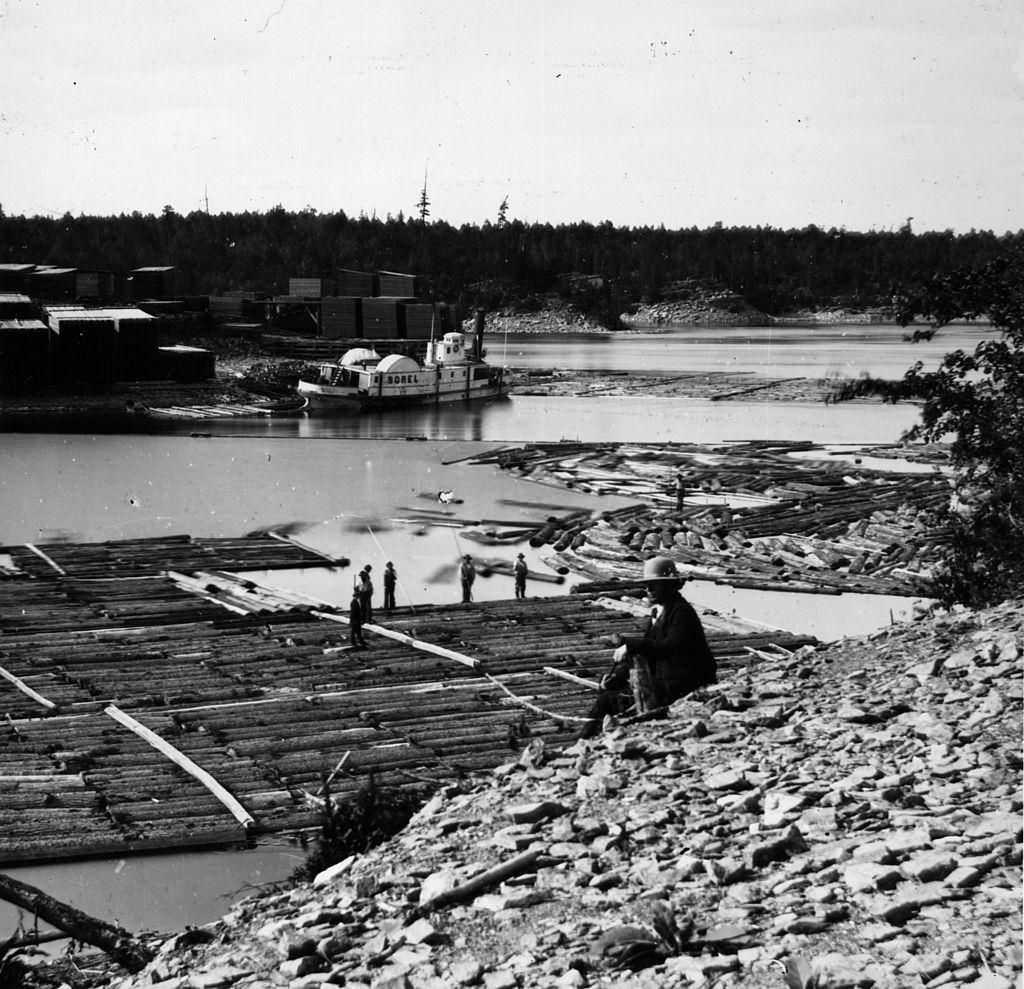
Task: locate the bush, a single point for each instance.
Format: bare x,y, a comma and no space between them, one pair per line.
977,399
367,819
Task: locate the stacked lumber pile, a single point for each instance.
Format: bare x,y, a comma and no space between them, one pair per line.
753,516
384,317
354,283
341,317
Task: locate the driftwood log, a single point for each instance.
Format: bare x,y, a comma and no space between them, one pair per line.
526,862
115,941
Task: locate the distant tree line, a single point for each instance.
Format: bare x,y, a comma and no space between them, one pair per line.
507,261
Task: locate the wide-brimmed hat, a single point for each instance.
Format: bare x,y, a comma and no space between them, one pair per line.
661,568
521,556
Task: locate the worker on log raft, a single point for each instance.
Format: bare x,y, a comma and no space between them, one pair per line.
519,571
364,591
355,622
390,579
669,659
467,577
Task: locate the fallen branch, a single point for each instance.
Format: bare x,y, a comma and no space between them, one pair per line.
31,940
472,888
115,941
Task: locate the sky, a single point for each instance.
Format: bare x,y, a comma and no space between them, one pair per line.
841,113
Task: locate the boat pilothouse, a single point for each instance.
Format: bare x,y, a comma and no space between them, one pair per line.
449,373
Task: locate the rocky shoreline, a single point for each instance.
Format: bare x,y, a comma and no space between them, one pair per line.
724,310
847,816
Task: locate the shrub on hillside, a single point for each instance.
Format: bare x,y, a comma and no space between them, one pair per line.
977,399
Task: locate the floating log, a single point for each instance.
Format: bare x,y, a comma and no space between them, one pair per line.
115,941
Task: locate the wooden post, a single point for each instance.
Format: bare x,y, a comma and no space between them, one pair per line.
115,941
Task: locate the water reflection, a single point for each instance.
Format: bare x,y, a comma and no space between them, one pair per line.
470,421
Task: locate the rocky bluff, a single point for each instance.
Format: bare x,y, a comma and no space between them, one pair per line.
847,816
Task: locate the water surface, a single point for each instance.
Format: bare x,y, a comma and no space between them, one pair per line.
354,486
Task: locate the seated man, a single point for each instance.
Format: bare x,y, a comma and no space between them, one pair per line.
666,661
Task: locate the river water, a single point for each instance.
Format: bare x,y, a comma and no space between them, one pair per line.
357,486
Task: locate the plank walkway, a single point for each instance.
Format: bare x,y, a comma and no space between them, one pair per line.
259,691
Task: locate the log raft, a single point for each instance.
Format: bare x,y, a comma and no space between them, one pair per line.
264,699
754,515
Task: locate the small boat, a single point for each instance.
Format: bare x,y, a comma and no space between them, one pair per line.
363,379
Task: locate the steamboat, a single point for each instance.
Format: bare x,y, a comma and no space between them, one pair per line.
362,379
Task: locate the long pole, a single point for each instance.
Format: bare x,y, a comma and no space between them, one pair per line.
383,556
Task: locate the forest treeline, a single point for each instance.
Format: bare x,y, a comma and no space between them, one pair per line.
504,262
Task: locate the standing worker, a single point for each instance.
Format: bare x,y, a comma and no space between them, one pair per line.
670,658
367,595
467,575
680,490
519,571
364,590
355,622
390,579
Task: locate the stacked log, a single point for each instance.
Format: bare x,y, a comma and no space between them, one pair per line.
840,524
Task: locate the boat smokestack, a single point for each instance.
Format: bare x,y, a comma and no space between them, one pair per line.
478,334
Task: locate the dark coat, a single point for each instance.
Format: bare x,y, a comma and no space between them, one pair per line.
675,644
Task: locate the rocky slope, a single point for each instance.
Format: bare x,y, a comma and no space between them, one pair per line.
553,318
851,815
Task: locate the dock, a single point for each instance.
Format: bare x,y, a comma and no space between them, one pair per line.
151,698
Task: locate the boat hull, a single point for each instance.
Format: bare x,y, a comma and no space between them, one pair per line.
341,397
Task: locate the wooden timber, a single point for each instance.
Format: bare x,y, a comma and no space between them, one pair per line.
754,516
266,701
148,557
